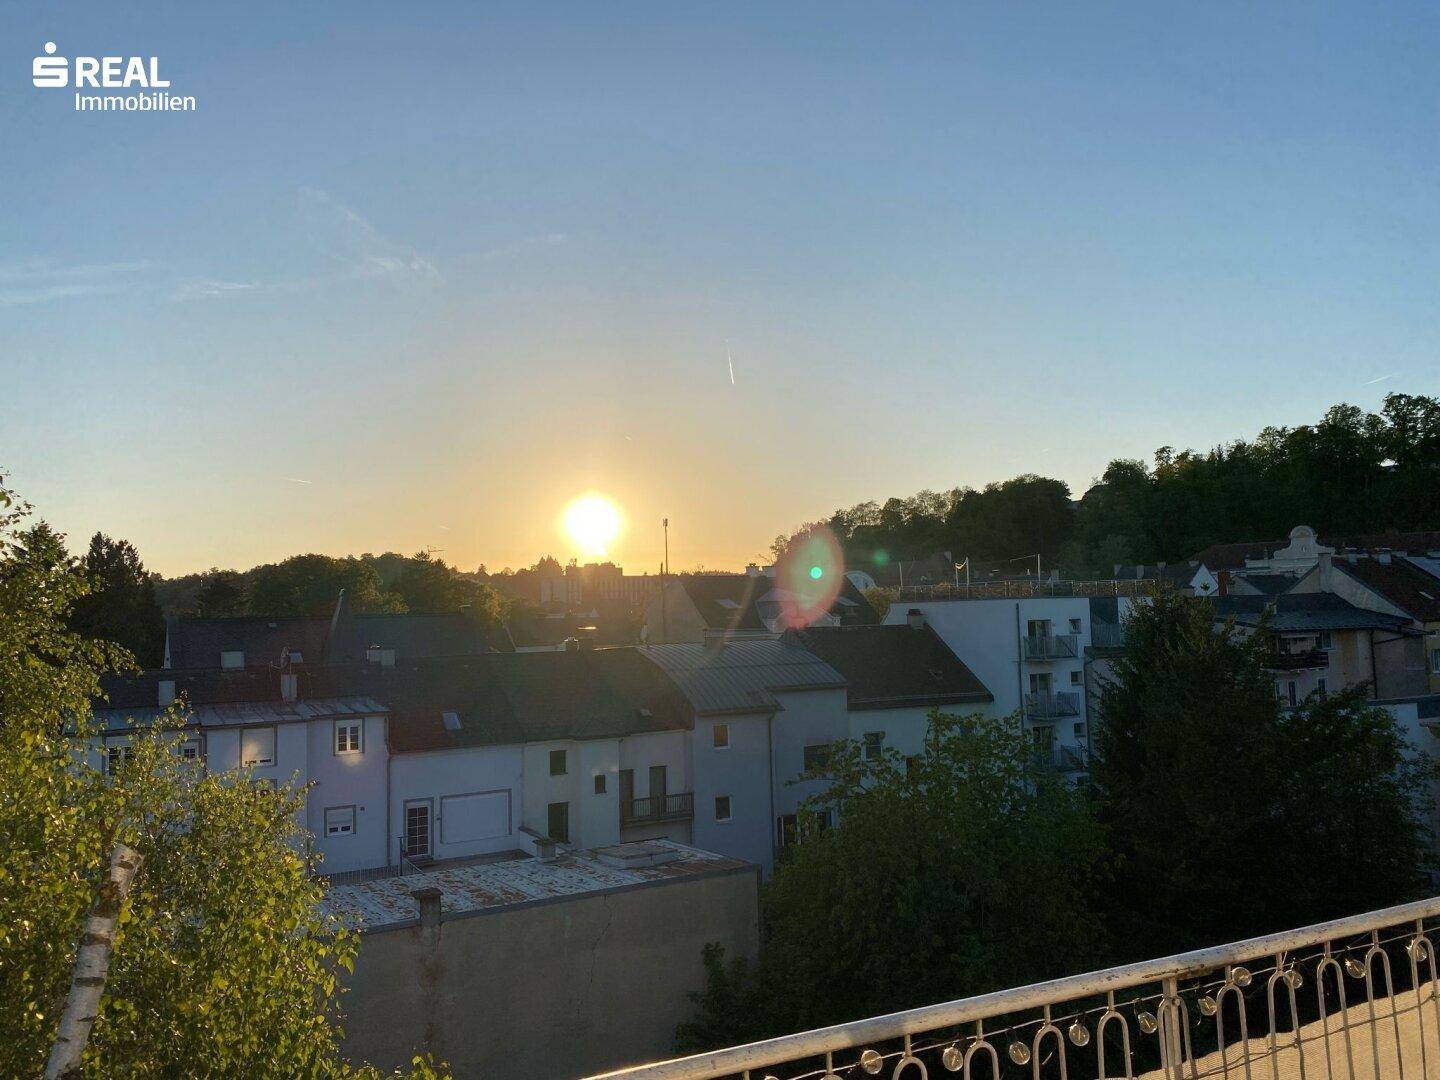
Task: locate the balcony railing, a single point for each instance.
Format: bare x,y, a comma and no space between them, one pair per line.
680,807
1051,646
1297,661
1051,706
1022,589
1367,983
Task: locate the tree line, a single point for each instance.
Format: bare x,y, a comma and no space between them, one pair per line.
1352,472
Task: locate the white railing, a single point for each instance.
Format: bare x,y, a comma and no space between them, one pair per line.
1332,999
1052,704
1051,646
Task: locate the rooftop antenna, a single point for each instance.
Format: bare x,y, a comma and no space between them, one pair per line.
664,598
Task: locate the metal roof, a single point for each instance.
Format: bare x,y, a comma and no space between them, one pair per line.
740,676
239,713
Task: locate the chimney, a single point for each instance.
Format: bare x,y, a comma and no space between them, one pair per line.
752,570
428,899
545,849
915,619
1327,571
1383,558
289,686
167,692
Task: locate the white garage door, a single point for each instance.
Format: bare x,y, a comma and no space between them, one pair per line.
481,815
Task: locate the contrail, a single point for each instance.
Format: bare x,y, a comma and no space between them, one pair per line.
730,362
296,480
1382,378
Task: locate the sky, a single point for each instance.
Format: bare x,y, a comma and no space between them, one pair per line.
414,276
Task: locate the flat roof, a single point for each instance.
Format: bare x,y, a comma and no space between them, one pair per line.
472,887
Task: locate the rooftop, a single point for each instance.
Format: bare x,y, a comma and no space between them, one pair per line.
1407,587
1296,612
740,676
471,887
893,666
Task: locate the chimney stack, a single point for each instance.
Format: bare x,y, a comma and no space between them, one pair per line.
167,692
428,899
915,619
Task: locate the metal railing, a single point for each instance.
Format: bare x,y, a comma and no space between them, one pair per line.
1301,659
1021,589
678,807
1353,999
1058,703
404,868
1051,646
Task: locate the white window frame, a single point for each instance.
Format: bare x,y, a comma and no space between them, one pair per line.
564,762
341,812
190,750
343,730
729,808
1076,626
117,756
260,763
1325,640
720,736
872,751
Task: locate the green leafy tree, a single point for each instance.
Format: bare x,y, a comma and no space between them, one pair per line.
428,584
1230,815
965,869
310,585
120,605
222,964
222,594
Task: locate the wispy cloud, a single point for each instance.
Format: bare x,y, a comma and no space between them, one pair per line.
209,289
39,281
356,245
1382,378
296,480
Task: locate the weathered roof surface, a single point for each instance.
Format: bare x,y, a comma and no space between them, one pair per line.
526,697
1407,587
198,643
1293,612
889,667
740,676
1268,584
474,887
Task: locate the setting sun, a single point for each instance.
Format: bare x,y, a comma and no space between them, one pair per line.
592,522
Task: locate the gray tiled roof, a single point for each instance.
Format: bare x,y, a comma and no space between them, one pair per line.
741,676
1305,611
893,666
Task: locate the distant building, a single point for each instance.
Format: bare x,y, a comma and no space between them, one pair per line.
693,607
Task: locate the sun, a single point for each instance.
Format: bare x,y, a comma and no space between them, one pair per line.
592,521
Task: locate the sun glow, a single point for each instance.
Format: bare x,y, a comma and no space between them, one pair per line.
592,521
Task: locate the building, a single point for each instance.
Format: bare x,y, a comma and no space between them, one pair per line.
523,968
1029,653
692,607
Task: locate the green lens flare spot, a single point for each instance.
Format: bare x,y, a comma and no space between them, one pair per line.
816,573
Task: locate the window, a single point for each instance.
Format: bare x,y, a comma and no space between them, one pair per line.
1074,678
722,807
559,821
1286,692
720,736
232,660
817,757
599,783
257,746
874,743
190,750
557,763
117,757
1326,641
340,821
1079,731
1435,661
1074,626
347,736
1320,687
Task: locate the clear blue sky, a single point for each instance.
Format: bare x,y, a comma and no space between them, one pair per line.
453,267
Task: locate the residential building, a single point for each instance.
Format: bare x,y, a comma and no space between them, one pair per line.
1029,653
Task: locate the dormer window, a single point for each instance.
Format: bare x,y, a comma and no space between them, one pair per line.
232,660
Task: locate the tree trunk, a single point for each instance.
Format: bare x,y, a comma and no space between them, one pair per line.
92,962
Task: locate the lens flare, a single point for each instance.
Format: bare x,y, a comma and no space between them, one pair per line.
592,522
809,576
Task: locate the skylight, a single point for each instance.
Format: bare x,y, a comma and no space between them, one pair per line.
452,721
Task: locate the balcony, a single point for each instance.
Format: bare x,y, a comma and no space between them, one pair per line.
1052,706
657,808
1051,646
1301,660
1251,1007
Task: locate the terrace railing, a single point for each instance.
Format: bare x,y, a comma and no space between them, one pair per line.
1055,704
1021,589
1051,646
1353,999
678,807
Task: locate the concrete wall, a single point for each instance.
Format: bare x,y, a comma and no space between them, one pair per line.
741,771
547,990
440,773
356,780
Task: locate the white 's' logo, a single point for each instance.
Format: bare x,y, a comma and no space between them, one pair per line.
111,72
50,70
